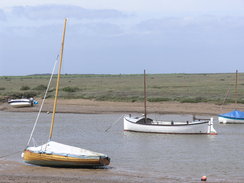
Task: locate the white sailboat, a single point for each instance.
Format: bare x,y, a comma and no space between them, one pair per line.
55,154
148,125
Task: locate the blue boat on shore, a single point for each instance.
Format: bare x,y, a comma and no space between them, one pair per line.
233,117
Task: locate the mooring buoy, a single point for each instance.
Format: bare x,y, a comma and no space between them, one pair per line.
204,178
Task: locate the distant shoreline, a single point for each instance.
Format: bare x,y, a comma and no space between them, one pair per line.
85,106
181,88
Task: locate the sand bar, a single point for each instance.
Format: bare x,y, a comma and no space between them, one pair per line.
83,106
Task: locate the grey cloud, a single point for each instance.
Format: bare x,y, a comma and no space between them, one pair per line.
47,19
99,28
193,28
61,11
198,23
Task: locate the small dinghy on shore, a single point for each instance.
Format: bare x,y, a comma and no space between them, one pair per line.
24,102
233,117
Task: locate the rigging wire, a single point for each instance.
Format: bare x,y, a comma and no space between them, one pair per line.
45,95
114,123
226,95
4,156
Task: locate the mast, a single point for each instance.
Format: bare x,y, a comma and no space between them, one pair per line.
58,79
145,97
236,94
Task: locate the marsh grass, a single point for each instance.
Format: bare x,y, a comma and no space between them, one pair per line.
70,89
24,88
40,87
191,88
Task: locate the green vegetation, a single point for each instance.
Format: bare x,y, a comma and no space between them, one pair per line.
40,87
24,88
158,99
190,88
21,94
70,89
193,100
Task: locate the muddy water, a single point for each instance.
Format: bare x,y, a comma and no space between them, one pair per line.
179,158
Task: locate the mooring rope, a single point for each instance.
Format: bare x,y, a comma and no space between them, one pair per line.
114,123
4,156
45,95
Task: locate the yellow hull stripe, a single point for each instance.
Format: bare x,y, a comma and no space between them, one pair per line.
42,159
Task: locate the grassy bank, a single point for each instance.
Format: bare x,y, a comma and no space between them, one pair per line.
190,88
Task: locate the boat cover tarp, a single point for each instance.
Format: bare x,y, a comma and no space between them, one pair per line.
233,114
58,148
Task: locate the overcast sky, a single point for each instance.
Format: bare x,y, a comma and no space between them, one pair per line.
122,36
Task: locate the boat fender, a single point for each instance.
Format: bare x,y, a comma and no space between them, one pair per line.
172,122
204,178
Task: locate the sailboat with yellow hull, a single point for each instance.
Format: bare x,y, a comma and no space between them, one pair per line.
55,154
61,155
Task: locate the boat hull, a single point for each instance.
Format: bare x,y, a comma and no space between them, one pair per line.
53,160
21,102
233,117
54,154
225,120
201,127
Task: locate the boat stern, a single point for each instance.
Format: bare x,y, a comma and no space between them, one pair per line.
211,130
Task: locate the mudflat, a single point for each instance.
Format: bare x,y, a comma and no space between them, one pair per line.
20,172
84,106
